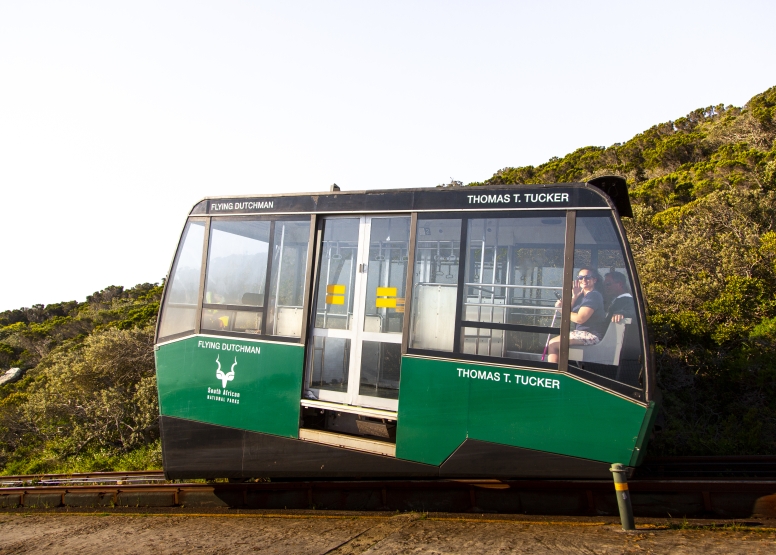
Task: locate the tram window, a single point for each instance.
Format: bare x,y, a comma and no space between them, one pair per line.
387,274
513,277
289,267
435,284
236,276
380,369
337,277
617,355
331,361
179,314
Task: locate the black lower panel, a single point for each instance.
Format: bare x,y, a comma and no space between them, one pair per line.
481,459
195,450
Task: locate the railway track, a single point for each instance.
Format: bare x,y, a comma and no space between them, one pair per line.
707,497
119,478
708,467
689,468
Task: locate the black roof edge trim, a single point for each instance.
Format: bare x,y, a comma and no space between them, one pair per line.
617,189
199,208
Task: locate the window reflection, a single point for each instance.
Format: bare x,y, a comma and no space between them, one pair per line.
331,362
289,268
180,306
435,284
514,276
387,275
336,281
236,275
380,369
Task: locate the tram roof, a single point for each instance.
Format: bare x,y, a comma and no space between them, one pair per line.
607,192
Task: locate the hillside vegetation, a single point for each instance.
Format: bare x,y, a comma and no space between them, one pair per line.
704,194
88,398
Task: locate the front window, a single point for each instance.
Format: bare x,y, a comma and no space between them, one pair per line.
609,342
179,314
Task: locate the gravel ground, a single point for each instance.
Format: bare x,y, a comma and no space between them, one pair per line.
349,533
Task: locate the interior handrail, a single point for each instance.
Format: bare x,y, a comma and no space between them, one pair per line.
491,305
493,285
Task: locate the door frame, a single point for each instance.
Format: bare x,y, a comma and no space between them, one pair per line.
356,333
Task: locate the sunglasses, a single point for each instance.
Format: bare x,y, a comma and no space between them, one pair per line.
585,278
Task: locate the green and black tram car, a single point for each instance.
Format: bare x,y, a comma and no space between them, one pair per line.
400,334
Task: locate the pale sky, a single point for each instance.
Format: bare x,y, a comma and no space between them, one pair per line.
117,117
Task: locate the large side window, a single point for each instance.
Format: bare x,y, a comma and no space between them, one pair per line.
255,279
236,276
289,269
435,284
179,314
614,351
513,278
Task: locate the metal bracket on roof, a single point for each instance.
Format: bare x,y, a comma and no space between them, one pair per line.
617,190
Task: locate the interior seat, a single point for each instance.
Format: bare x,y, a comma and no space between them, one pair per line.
607,351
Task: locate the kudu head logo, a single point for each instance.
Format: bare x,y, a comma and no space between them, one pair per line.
228,377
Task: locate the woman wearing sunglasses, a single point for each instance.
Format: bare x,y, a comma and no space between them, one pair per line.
587,312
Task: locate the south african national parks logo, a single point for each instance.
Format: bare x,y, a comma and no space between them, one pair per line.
228,377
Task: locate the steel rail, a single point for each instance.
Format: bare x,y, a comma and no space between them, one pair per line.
762,466
697,498
676,486
138,476
759,466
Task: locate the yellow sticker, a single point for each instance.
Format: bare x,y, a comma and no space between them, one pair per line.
620,487
386,291
400,301
335,289
385,303
400,309
335,299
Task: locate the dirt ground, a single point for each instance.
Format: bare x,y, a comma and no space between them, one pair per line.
316,532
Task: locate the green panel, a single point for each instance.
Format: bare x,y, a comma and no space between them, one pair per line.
443,402
432,411
643,440
262,396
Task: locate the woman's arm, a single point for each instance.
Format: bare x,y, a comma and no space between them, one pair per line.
582,315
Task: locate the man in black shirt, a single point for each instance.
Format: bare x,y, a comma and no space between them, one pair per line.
618,297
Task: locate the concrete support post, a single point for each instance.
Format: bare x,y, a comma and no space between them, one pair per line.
623,496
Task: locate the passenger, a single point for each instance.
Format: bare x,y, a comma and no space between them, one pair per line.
587,312
619,299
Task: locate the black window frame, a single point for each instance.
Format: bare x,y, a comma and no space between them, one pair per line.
168,285
642,391
460,323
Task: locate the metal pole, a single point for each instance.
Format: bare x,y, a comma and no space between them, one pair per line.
547,343
623,498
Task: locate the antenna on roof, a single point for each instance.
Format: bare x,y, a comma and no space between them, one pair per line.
334,187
